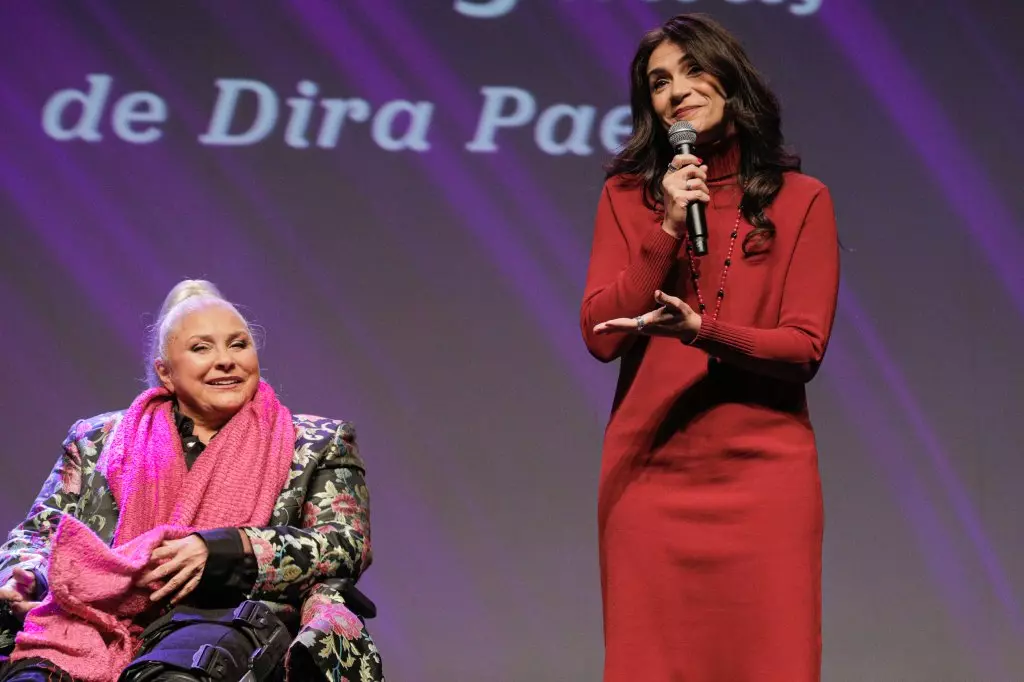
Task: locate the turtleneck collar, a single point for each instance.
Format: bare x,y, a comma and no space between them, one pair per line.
722,160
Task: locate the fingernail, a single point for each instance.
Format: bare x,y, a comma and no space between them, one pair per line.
700,160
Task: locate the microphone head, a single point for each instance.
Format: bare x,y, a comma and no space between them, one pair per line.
680,133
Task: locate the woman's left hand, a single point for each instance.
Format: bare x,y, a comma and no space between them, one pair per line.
674,318
178,565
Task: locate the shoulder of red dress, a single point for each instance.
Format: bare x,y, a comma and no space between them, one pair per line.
624,184
802,183
625,191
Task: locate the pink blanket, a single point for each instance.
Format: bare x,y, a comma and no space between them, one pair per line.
85,624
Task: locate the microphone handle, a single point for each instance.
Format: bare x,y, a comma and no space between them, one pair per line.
696,225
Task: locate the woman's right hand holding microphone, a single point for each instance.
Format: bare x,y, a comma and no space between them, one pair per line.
684,183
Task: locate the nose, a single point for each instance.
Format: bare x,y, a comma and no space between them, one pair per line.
680,89
224,361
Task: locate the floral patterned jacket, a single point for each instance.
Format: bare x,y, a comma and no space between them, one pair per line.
320,529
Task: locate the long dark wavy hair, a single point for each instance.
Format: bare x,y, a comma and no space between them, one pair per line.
751,108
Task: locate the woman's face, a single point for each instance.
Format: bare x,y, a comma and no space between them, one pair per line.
210,364
681,91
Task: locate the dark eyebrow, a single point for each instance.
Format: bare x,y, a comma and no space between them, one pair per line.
659,71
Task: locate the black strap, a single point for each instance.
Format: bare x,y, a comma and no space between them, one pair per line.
214,644
213,661
271,637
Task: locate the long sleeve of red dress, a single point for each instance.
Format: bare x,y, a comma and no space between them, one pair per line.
794,348
620,284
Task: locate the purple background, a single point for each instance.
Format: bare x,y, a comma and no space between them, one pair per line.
432,298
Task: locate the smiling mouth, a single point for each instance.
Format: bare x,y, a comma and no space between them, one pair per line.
226,382
683,111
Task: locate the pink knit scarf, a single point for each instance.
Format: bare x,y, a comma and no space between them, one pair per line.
85,623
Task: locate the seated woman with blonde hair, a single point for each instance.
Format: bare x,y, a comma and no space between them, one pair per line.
205,533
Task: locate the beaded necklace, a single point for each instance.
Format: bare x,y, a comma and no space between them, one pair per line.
695,270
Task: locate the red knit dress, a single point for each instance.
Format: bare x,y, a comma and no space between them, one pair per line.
709,505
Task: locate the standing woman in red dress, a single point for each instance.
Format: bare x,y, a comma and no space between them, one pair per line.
709,508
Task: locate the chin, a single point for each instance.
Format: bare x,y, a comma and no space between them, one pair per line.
699,124
231,403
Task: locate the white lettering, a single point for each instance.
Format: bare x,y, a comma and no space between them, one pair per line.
93,103
336,111
493,9
414,137
302,108
487,9
139,107
806,8
581,121
224,113
224,130
129,111
491,118
616,127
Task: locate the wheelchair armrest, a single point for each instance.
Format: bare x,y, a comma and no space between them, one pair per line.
357,602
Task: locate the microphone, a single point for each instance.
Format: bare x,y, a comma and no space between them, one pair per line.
682,136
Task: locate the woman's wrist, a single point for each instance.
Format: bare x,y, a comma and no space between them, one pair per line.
670,227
